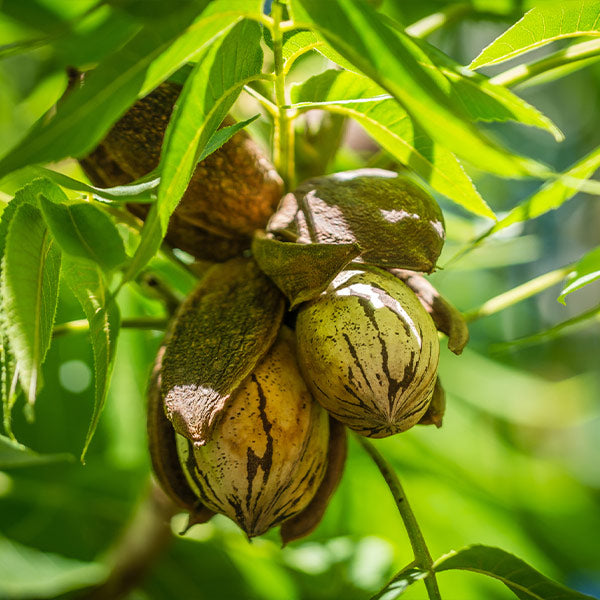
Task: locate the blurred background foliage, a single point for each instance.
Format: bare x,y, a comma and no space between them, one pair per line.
515,465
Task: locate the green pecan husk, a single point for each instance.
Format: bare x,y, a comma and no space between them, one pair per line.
369,352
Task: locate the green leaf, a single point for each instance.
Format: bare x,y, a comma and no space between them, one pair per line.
395,588
553,194
301,271
27,573
541,25
8,364
586,271
84,231
554,66
88,285
13,454
141,190
8,378
30,292
299,42
209,92
485,101
157,51
549,197
395,62
522,579
385,120
216,20
223,135
87,112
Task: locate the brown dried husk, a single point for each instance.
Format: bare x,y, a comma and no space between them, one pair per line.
163,452
232,192
221,331
446,317
267,457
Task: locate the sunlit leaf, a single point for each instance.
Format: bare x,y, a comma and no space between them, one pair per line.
586,271
8,364
132,71
394,61
30,292
13,454
549,197
553,194
88,285
298,42
210,90
541,25
222,136
84,231
522,579
554,66
352,95
485,101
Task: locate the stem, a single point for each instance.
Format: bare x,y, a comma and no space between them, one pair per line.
519,293
521,73
283,133
143,540
157,323
423,558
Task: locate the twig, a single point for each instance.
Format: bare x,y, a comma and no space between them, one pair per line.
157,323
143,540
423,558
519,293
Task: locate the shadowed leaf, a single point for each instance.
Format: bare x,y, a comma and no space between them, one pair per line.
89,287
30,278
586,271
13,455
519,577
209,91
85,232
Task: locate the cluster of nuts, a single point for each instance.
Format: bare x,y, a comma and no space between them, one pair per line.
247,415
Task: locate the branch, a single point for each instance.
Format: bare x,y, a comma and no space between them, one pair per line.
157,323
423,558
519,293
143,540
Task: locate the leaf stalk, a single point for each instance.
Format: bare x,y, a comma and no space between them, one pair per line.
518,294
